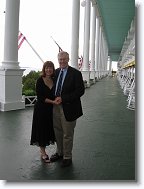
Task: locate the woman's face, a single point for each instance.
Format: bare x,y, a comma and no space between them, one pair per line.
48,71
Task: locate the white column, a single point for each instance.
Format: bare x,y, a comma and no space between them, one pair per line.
105,56
93,40
99,56
110,66
75,33
10,73
85,68
11,34
107,70
97,47
102,55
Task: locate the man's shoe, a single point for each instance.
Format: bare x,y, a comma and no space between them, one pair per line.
66,162
55,157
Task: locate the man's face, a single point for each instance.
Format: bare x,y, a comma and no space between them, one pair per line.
63,60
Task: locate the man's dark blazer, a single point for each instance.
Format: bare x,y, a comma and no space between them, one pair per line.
72,89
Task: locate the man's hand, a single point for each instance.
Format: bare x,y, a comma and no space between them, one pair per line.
57,100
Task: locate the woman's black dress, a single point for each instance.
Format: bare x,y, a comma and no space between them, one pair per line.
42,133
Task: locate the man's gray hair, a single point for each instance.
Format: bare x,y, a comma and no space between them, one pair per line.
63,52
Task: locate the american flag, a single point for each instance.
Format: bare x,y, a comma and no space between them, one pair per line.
80,62
21,39
60,49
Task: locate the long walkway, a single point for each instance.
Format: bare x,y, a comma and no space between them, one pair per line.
104,142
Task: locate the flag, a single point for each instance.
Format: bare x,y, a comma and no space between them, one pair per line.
89,64
21,39
60,49
80,62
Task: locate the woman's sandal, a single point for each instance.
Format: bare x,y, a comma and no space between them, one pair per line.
45,158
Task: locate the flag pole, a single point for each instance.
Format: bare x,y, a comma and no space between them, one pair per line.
34,50
24,38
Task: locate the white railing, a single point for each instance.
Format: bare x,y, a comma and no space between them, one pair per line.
29,100
126,78
131,98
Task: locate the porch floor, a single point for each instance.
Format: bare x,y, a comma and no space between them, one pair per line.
104,141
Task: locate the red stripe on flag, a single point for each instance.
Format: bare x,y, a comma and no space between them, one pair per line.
21,42
20,35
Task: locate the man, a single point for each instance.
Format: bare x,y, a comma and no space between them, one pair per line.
69,87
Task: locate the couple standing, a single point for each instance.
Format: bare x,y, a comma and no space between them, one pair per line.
57,108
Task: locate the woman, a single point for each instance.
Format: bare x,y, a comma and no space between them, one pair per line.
42,133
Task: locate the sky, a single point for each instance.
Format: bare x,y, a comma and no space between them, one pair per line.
38,21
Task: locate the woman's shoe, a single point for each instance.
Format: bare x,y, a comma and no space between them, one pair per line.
45,158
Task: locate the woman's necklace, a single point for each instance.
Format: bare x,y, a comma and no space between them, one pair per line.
48,79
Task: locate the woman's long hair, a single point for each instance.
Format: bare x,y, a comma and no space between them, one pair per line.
47,64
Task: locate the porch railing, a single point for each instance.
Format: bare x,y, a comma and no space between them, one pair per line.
29,100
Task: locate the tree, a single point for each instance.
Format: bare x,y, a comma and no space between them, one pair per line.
29,82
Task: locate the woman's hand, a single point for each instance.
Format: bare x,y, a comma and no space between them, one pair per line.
57,100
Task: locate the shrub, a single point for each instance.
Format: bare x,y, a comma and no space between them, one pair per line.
29,92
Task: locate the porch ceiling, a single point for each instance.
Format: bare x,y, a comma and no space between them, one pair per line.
116,18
